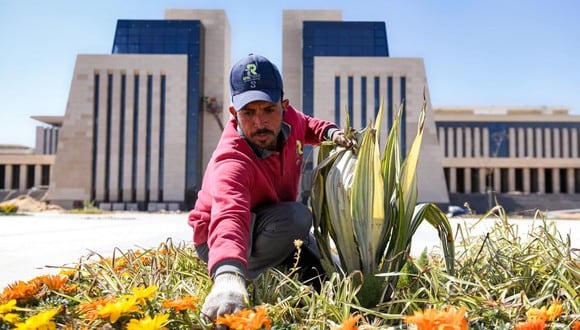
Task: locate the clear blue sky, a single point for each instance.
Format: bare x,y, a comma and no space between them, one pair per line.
476,53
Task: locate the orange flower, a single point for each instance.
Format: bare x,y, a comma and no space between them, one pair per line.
431,319
57,282
90,308
246,319
576,325
181,304
20,290
349,323
532,324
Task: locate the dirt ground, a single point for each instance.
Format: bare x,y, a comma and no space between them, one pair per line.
29,204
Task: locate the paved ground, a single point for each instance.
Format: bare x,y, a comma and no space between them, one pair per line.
29,243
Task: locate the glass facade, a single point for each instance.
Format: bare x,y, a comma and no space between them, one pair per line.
337,39
172,37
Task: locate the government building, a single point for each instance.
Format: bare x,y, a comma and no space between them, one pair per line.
141,122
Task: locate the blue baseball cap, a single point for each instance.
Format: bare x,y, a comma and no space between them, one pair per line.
255,78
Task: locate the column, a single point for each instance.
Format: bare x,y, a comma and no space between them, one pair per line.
100,153
37,175
477,142
574,145
542,180
497,180
557,143
22,179
142,137
512,148
565,143
482,172
450,143
526,180
485,138
555,180
155,130
8,176
511,179
548,142
538,143
531,141
452,180
468,143
570,180
114,138
521,142
459,142
467,179
128,159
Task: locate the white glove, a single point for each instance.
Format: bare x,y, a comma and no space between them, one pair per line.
228,295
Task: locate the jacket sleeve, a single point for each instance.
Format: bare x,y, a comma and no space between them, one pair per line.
317,130
229,227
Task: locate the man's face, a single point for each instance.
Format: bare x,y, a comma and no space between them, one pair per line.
261,122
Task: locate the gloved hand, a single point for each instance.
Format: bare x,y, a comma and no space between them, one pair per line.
340,139
228,295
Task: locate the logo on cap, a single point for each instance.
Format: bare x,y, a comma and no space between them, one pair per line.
251,74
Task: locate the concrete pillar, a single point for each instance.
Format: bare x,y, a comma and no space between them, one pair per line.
555,180
467,179
548,142
23,173
512,148
452,180
129,134
539,144
450,143
542,180
574,145
531,141
521,142
8,176
142,136
101,137
482,172
570,180
511,179
565,143
477,142
459,142
497,180
37,175
115,137
557,143
155,130
527,181
485,138
468,142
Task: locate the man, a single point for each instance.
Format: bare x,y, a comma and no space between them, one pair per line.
246,217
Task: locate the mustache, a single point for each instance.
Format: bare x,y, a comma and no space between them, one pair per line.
262,131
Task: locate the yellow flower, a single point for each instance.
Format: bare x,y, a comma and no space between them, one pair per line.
40,321
349,323
181,304
532,324
143,294
148,323
115,309
8,307
10,317
554,311
246,319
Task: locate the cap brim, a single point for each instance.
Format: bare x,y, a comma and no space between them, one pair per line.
240,100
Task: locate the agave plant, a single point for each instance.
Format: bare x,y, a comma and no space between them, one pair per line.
365,208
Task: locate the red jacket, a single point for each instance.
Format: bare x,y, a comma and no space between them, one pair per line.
237,180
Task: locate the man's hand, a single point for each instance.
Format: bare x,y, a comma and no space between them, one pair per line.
340,139
228,295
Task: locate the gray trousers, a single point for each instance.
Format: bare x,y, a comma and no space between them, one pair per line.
274,229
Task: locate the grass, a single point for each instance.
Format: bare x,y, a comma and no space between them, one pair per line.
500,276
